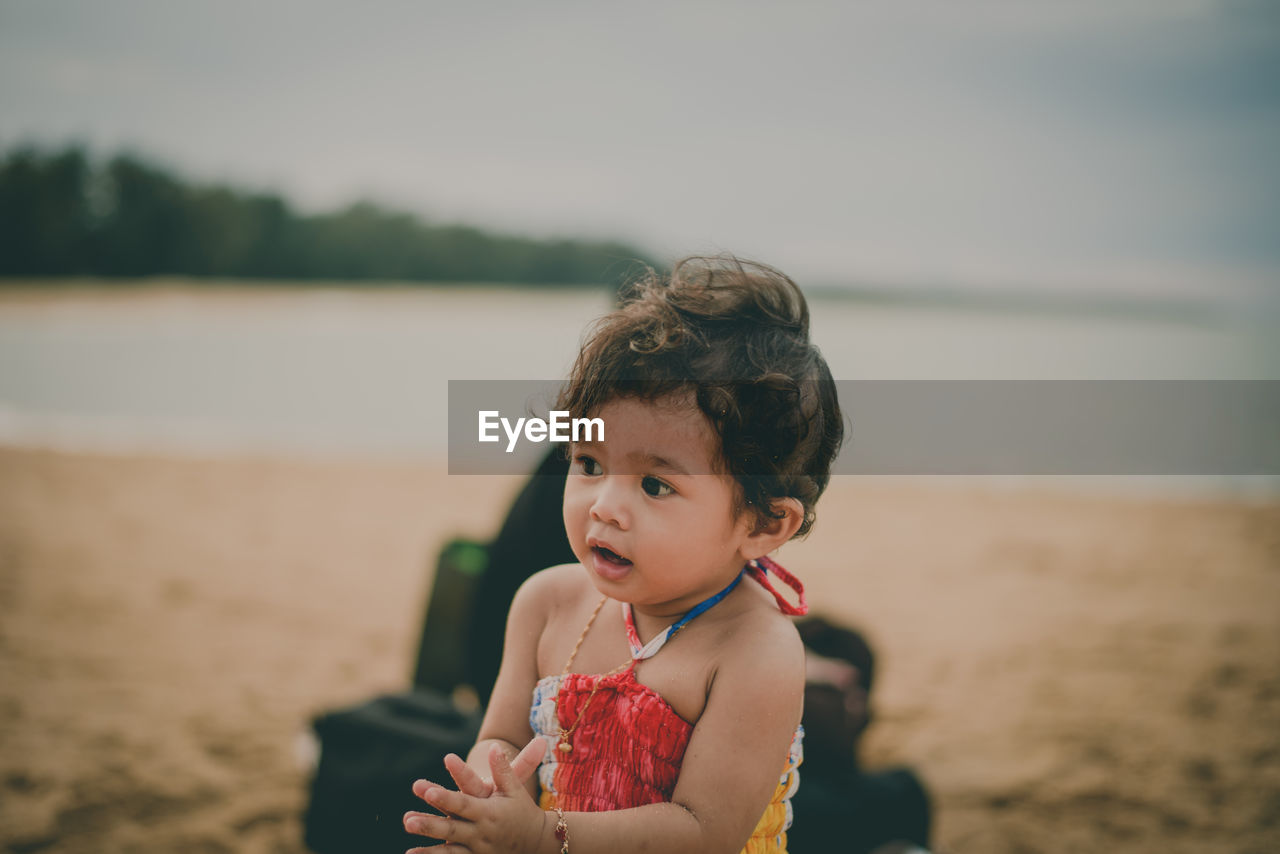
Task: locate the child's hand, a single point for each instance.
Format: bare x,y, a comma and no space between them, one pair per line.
504,819
470,783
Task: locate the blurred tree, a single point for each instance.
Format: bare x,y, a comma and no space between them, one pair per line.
44,213
143,224
60,215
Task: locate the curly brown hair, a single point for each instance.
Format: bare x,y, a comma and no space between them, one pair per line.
735,335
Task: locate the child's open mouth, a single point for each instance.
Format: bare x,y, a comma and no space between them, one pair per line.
610,556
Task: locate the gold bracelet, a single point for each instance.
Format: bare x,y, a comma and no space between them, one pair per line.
562,830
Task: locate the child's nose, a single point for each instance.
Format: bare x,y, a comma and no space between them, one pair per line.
609,504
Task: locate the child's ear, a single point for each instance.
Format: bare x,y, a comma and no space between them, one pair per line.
770,533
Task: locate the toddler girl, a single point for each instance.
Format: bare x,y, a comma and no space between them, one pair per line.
665,679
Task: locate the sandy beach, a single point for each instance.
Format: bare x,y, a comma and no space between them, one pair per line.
1068,672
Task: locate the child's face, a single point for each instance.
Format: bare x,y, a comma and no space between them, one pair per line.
646,515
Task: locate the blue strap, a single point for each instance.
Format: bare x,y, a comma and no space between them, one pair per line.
639,653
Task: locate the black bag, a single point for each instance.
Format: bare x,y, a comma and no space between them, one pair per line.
370,754
369,757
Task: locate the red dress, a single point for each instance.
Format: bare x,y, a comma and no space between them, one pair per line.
627,748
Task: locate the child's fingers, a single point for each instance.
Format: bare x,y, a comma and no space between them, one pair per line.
504,780
420,787
410,820
527,761
469,782
454,803
444,827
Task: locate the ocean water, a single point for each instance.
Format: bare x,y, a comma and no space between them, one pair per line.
364,371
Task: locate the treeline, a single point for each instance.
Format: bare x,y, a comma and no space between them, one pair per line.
63,214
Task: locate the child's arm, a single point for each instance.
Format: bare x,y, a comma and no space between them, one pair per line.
506,721
731,768
739,748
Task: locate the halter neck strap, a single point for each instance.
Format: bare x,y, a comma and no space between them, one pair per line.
639,651
758,569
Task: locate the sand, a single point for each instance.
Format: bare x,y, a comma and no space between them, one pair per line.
1068,672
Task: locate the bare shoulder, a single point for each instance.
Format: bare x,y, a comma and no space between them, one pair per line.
760,668
565,579
763,639
549,585
548,592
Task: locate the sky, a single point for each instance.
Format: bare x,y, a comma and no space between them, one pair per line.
1116,145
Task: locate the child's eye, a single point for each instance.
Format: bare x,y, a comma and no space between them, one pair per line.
587,465
654,487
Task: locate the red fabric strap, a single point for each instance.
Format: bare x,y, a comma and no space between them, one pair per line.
758,569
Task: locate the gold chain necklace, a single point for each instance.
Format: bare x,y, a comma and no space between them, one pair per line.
566,744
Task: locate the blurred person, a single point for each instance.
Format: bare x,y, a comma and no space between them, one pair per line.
840,806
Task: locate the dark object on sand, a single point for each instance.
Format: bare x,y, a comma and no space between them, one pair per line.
369,757
370,754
